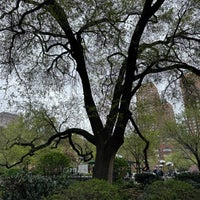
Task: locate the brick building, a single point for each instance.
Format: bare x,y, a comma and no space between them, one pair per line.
152,114
190,87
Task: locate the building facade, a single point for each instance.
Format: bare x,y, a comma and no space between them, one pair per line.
6,118
190,87
152,114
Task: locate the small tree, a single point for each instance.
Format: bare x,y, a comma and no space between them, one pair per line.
133,148
187,140
53,163
179,158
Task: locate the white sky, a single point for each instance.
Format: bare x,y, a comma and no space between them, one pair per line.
5,97
176,103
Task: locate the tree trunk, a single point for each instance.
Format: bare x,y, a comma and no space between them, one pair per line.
104,163
198,160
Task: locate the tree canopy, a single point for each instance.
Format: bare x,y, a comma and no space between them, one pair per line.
93,56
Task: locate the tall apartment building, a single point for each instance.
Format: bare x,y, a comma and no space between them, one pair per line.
190,87
148,105
167,114
153,113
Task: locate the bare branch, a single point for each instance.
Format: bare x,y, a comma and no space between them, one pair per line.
11,11
91,23
146,168
157,69
88,155
54,138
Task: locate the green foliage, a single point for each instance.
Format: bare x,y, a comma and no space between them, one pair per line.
93,189
17,138
9,135
53,163
25,186
146,178
10,172
107,40
186,135
62,181
179,159
133,147
130,193
170,189
192,178
120,168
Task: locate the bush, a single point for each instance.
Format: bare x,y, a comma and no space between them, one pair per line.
62,181
192,178
11,172
131,191
53,163
146,178
93,189
25,186
170,189
120,168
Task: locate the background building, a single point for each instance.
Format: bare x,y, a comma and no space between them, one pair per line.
6,118
190,87
152,114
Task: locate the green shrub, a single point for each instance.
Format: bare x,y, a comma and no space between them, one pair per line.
62,181
146,178
25,186
120,168
131,191
170,190
53,163
11,172
192,178
93,189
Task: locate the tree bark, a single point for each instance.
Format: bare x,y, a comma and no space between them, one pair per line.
104,162
198,160
105,155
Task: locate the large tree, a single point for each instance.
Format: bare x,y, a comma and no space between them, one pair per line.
106,48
